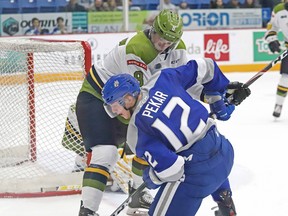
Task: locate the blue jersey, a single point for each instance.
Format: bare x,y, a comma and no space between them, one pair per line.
169,117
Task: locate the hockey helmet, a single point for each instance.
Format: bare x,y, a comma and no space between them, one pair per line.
168,24
118,86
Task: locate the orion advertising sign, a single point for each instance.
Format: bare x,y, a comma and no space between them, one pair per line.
219,19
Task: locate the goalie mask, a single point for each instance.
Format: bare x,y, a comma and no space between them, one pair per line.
116,88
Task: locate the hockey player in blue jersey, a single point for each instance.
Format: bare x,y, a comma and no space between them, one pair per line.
169,128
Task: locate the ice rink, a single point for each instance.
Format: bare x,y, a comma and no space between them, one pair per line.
259,178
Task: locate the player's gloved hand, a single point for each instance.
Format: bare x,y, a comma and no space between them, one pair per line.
273,43
237,92
219,106
274,46
150,179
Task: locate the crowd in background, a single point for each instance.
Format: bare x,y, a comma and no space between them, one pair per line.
96,5
117,5
113,5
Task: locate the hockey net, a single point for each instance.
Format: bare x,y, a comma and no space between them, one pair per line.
39,80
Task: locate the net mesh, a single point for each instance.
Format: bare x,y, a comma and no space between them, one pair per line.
39,81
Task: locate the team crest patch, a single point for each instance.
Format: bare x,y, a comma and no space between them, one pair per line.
116,83
137,63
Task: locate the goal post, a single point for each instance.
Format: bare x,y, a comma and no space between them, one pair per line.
39,80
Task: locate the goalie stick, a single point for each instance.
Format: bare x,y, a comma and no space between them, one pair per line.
125,203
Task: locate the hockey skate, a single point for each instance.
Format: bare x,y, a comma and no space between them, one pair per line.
86,212
277,110
139,203
226,206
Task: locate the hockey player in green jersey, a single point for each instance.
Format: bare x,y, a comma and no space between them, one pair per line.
140,56
279,21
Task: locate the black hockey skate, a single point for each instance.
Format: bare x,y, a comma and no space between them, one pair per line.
277,110
86,212
139,203
226,206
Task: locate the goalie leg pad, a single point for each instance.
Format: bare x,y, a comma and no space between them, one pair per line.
122,174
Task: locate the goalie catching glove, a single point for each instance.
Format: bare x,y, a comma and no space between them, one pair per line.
237,92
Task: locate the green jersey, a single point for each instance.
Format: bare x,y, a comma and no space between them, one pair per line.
136,56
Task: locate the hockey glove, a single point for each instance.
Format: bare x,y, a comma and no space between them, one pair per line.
237,92
219,106
150,179
273,43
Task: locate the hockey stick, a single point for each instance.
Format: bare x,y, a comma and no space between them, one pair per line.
257,76
264,70
268,67
125,203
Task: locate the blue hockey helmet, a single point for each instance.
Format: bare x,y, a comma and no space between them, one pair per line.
118,86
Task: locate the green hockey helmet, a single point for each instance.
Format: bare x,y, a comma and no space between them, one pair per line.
168,24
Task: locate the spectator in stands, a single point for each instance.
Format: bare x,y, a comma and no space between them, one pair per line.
85,3
60,28
251,4
130,5
218,4
35,29
73,6
233,4
110,5
167,5
183,5
97,6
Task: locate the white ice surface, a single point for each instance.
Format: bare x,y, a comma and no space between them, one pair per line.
259,178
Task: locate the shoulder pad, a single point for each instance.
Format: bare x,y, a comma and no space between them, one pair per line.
181,45
142,47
